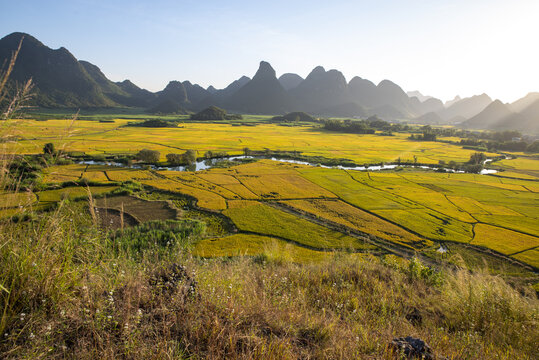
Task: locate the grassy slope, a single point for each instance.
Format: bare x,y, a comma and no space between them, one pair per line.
76,294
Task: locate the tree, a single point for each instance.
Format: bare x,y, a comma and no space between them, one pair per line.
174,159
477,158
49,149
148,156
533,147
190,156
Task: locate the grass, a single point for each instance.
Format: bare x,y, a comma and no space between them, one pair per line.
72,289
466,256
430,224
517,175
346,188
263,219
75,293
520,163
121,174
95,176
436,206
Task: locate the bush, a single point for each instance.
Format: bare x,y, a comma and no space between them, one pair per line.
49,149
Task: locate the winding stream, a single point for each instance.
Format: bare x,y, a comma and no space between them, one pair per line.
206,164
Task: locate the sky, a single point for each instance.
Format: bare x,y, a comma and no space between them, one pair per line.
441,48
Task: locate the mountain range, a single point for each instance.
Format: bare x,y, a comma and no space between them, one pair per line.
61,80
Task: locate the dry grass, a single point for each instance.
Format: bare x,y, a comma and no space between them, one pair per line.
70,296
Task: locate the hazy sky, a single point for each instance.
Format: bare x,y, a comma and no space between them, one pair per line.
441,48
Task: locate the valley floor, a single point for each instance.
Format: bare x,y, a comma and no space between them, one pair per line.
265,259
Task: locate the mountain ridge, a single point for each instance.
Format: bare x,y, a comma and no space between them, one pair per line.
63,81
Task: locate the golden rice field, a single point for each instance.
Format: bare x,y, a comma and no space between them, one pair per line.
502,240
17,199
249,244
97,138
523,167
342,213
413,209
264,219
529,256
418,209
52,196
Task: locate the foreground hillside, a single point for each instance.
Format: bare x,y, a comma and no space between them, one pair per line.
71,291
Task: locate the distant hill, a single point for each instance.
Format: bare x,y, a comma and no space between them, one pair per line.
431,105
174,91
430,118
124,93
391,94
60,80
499,116
294,117
526,121
167,107
418,95
465,108
261,95
349,109
386,112
290,81
217,97
63,81
321,89
138,97
234,86
195,93
491,115
363,92
451,102
214,113
525,102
